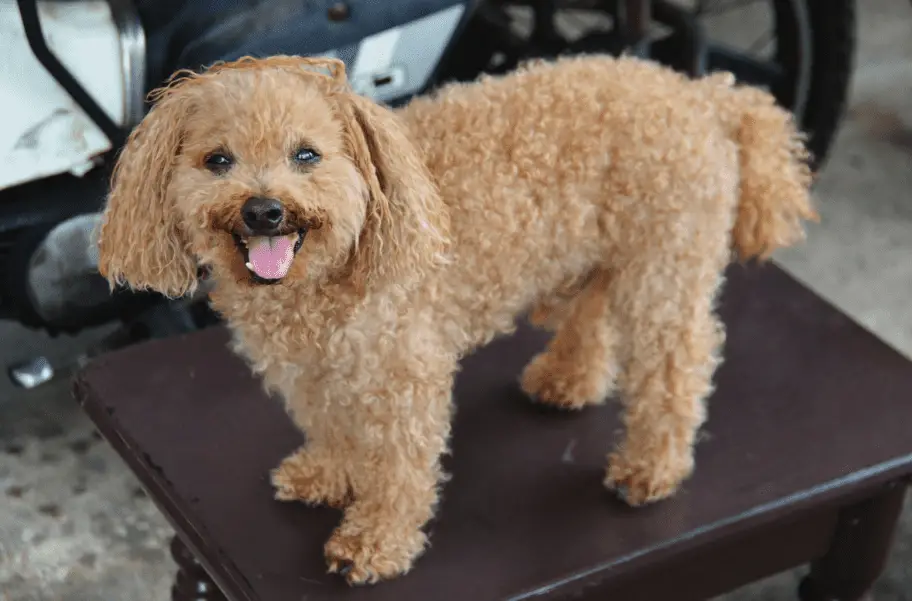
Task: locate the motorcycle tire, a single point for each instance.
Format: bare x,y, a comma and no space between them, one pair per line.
833,25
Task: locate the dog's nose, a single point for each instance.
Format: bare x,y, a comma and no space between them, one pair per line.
262,213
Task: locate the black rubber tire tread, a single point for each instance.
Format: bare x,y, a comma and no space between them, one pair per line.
833,24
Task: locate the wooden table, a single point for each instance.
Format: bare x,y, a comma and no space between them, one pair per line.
807,454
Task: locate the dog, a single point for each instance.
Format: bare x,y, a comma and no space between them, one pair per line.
357,253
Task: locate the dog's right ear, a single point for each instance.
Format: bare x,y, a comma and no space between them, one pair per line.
140,242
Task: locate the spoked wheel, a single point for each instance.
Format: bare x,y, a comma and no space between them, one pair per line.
800,50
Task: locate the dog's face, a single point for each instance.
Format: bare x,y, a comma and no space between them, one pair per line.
269,173
261,172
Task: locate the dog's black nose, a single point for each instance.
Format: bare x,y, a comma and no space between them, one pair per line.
261,214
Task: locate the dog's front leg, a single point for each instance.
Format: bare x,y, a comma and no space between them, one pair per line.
394,471
314,475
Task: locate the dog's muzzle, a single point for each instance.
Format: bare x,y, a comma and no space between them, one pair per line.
269,247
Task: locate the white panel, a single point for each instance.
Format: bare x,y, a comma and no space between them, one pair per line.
376,52
43,132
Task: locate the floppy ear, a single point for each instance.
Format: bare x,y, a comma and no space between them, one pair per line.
140,243
407,225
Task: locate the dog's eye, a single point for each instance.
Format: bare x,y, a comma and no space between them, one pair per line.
219,162
305,156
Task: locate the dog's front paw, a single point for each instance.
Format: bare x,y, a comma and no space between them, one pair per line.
563,384
647,479
366,555
310,478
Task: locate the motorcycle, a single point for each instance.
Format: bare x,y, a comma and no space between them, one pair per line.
88,64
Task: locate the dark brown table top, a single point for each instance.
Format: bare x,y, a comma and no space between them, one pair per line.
809,408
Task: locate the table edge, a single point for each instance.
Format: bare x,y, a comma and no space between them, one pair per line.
226,575
833,493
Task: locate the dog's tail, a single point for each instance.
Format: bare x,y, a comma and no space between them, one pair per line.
775,175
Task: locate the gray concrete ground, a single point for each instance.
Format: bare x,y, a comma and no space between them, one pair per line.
75,527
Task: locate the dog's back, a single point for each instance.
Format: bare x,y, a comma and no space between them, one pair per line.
555,168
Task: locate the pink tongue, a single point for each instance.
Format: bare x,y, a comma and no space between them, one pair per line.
270,257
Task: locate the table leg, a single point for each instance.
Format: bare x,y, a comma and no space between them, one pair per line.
192,583
861,544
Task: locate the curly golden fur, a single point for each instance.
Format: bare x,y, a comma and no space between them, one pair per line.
602,196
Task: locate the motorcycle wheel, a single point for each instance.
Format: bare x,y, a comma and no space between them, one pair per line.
833,25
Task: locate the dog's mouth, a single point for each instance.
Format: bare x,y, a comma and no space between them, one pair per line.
269,258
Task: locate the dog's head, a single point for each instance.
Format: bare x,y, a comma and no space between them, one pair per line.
269,171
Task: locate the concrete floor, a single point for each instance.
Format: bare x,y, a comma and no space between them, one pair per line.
75,527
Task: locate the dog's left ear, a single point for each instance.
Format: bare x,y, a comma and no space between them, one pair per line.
407,225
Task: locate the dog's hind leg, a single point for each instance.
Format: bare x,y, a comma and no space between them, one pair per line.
674,341
550,311
580,364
